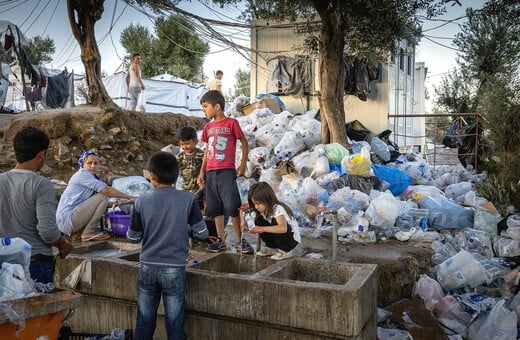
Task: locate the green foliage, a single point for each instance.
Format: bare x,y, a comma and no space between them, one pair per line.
175,48
456,93
40,50
489,55
138,39
501,192
489,43
242,84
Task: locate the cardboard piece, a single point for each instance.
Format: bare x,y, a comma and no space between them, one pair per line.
267,102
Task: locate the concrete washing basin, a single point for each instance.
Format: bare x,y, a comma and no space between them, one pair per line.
321,297
296,298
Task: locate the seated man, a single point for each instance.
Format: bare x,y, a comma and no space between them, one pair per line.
27,208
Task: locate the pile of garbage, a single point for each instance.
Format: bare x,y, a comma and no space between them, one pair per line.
373,194
15,279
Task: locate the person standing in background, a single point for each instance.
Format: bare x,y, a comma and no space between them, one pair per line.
216,83
27,207
134,82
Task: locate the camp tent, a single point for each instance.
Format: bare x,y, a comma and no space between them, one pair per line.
23,85
163,93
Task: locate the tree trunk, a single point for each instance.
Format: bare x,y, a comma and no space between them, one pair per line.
332,76
83,16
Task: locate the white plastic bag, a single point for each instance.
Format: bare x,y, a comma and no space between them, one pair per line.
499,324
460,270
430,291
141,101
290,144
383,210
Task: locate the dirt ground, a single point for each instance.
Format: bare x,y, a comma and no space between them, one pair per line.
126,139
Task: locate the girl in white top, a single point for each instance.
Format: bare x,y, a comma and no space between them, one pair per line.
274,221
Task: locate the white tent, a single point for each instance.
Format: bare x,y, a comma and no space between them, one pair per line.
163,93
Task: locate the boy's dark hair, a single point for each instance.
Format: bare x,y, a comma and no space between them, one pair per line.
187,133
165,167
28,141
214,97
135,55
219,72
262,192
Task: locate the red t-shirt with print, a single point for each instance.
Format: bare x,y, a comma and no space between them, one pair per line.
221,138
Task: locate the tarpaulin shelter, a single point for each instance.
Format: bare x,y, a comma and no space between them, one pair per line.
164,93
24,86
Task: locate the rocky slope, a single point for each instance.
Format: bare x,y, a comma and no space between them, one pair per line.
124,139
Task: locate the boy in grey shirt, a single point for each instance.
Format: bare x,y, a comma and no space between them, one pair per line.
162,219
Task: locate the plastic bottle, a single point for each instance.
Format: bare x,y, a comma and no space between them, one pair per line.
442,251
17,251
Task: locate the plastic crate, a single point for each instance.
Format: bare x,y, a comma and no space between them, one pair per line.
66,333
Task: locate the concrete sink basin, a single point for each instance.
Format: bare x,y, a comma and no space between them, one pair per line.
318,297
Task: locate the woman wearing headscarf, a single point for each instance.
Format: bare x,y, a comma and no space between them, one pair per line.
85,201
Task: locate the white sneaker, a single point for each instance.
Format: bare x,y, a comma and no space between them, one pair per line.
282,255
266,251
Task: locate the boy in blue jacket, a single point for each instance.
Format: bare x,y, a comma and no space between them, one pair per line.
162,219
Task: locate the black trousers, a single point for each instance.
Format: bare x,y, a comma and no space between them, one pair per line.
283,241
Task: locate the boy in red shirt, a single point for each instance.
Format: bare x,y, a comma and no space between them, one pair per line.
218,171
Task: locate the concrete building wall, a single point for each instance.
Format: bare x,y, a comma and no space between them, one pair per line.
393,93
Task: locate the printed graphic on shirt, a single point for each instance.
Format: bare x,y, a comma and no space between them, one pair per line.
217,147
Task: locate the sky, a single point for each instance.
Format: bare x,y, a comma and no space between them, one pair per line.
49,18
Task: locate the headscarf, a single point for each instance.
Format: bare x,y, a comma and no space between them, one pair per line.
84,155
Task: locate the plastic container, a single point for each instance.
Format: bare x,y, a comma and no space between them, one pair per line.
119,222
17,251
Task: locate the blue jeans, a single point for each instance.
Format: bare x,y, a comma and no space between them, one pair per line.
152,282
42,271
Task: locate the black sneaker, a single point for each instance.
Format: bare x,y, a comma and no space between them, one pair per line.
217,246
245,247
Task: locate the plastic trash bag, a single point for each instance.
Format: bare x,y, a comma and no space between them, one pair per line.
261,117
383,210
393,334
430,291
132,185
267,136
507,247
397,178
335,152
290,144
14,284
452,314
457,191
460,270
259,155
499,324
243,185
446,214
269,176
351,200
311,163
309,127
325,179
420,171
141,101
418,192
314,194
358,164
486,220
380,148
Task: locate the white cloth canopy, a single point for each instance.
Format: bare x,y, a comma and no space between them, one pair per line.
169,94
